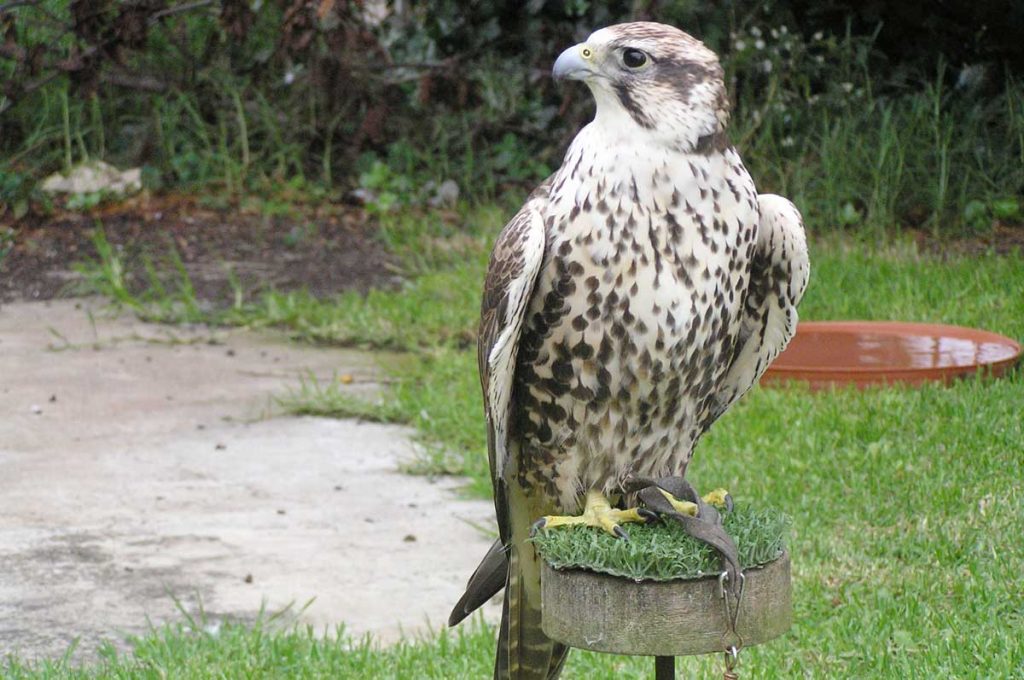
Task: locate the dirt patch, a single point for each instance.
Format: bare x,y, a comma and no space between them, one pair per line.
325,249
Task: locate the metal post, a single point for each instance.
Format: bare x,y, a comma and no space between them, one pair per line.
664,668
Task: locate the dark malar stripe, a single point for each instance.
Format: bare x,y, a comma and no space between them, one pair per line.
716,141
636,112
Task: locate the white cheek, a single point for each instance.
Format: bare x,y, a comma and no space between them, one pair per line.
612,116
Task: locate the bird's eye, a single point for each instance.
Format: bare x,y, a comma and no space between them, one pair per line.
633,58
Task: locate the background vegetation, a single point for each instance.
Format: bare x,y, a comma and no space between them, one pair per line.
875,117
871,114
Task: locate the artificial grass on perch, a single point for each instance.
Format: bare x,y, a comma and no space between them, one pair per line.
660,593
662,551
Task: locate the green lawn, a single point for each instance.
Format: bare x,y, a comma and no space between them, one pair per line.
906,504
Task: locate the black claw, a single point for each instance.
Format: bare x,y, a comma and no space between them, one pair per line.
620,532
537,526
648,515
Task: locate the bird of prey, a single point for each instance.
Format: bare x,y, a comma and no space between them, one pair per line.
640,291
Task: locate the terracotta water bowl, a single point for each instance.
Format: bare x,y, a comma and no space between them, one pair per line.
835,353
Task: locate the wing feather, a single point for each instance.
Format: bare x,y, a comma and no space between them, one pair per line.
511,277
779,272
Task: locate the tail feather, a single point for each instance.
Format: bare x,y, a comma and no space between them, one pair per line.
486,581
559,653
524,651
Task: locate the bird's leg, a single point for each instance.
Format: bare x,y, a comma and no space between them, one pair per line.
597,512
719,498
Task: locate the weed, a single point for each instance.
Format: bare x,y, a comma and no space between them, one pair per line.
384,189
19,192
6,244
152,299
106,274
88,200
979,215
314,397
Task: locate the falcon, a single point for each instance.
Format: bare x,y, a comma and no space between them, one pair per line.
640,291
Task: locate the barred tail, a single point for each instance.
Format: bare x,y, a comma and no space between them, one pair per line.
524,652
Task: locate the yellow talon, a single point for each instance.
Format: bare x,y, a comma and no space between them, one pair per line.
682,507
719,498
597,512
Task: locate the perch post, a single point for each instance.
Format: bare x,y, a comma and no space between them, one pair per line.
666,619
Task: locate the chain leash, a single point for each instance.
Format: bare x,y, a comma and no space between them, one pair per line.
732,651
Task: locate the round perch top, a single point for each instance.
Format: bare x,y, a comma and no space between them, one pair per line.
605,613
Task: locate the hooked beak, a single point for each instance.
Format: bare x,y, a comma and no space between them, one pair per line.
571,64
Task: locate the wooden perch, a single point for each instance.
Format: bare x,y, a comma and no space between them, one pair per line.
606,613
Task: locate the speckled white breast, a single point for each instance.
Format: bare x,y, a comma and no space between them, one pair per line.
635,312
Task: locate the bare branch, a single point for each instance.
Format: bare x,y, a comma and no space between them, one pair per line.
179,9
133,81
40,82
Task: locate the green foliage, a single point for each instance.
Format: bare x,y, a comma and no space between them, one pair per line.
6,244
387,189
816,122
830,108
162,297
663,551
105,275
979,215
511,158
273,647
379,319
18,192
329,399
88,200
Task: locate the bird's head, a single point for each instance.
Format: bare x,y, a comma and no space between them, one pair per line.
652,79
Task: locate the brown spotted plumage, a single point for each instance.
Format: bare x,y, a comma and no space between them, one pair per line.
641,290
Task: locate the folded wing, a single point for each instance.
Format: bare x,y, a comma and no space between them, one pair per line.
779,272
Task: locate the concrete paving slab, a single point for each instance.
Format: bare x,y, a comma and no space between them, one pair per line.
142,463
